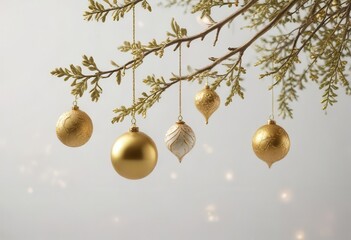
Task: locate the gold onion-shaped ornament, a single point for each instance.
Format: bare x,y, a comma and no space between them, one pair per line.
180,139
271,143
207,102
134,154
74,128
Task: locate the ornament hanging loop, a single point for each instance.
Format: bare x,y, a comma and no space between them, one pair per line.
75,102
133,121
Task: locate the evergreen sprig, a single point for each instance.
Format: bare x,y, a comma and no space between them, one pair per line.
205,6
99,12
322,34
80,81
146,101
314,34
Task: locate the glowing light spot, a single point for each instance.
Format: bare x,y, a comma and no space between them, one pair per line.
30,190
116,219
212,218
173,175
56,173
285,196
208,149
211,213
229,176
300,235
54,177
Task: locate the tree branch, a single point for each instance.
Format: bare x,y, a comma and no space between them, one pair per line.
99,12
242,48
178,41
139,106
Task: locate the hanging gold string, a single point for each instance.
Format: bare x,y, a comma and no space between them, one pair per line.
133,121
272,92
180,117
272,99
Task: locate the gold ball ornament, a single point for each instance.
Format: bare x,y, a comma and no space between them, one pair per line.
180,139
271,143
207,102
134,154
74,128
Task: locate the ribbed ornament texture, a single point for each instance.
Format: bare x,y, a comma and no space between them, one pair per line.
180,139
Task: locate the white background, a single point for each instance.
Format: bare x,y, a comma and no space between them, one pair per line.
219,191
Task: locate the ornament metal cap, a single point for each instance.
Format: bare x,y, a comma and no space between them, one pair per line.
134,128
271,121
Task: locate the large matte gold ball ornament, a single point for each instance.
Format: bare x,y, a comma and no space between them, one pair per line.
74,128
271,143
180,139
134,154
207,102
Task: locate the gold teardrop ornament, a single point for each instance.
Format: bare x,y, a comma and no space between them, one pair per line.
180,139
207,102
134,154
74,128
271,143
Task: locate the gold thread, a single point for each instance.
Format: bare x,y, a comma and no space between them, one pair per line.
133,121
180,117
272,93
134,24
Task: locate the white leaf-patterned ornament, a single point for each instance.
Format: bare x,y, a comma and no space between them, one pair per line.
180,139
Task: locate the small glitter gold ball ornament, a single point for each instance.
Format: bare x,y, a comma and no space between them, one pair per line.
207,102
74,128
180,139
134,154
271,143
